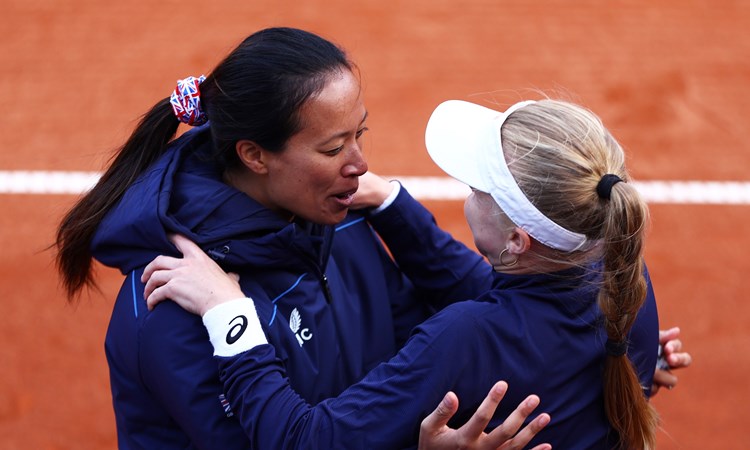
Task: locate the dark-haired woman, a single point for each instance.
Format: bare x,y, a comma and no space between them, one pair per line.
263,183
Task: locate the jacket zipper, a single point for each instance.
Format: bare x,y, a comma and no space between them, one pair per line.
322,278
319,265
326,289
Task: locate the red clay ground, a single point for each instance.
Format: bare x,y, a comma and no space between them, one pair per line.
669,78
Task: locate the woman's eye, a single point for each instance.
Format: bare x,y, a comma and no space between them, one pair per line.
361,132
337,150
334,152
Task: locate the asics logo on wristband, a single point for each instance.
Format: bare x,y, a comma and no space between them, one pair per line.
237,330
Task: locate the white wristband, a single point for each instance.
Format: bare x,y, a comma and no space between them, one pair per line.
391,197
233,327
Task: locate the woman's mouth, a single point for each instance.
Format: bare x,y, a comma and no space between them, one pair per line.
346,198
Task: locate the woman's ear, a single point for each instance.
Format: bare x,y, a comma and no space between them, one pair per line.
519,241
252,156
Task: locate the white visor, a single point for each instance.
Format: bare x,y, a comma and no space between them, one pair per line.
464,140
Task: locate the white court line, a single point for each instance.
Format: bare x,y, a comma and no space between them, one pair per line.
675,192
423,188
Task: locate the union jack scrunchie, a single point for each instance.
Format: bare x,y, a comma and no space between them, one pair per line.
186,101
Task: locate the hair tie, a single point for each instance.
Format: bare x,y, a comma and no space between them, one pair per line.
604,187
616,349
186,101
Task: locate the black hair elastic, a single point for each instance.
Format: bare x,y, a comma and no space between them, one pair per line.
604,187
616,348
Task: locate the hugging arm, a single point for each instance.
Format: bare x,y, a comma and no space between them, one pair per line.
273,415
441,267
181,389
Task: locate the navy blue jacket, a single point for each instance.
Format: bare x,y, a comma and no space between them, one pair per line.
331,299
541,333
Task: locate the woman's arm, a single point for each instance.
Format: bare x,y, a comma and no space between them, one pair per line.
175,363
271,413
442,268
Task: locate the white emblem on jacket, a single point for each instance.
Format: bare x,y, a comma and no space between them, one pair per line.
295,322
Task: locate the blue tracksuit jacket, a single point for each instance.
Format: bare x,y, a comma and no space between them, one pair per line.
333,304
541,333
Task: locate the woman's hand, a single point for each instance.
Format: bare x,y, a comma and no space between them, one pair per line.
675,358
195,281
435,434
372,191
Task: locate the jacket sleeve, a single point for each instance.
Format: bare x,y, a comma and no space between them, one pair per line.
442,268
383,410
644,339
177,366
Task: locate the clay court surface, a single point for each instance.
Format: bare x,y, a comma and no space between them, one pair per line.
669,78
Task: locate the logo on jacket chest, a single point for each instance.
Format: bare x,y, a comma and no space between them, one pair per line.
295,324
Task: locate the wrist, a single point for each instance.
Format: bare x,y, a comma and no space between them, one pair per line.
234,327
395,188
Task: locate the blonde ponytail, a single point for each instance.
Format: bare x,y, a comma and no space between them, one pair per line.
621,296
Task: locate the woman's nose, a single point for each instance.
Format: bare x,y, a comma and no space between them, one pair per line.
356,166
